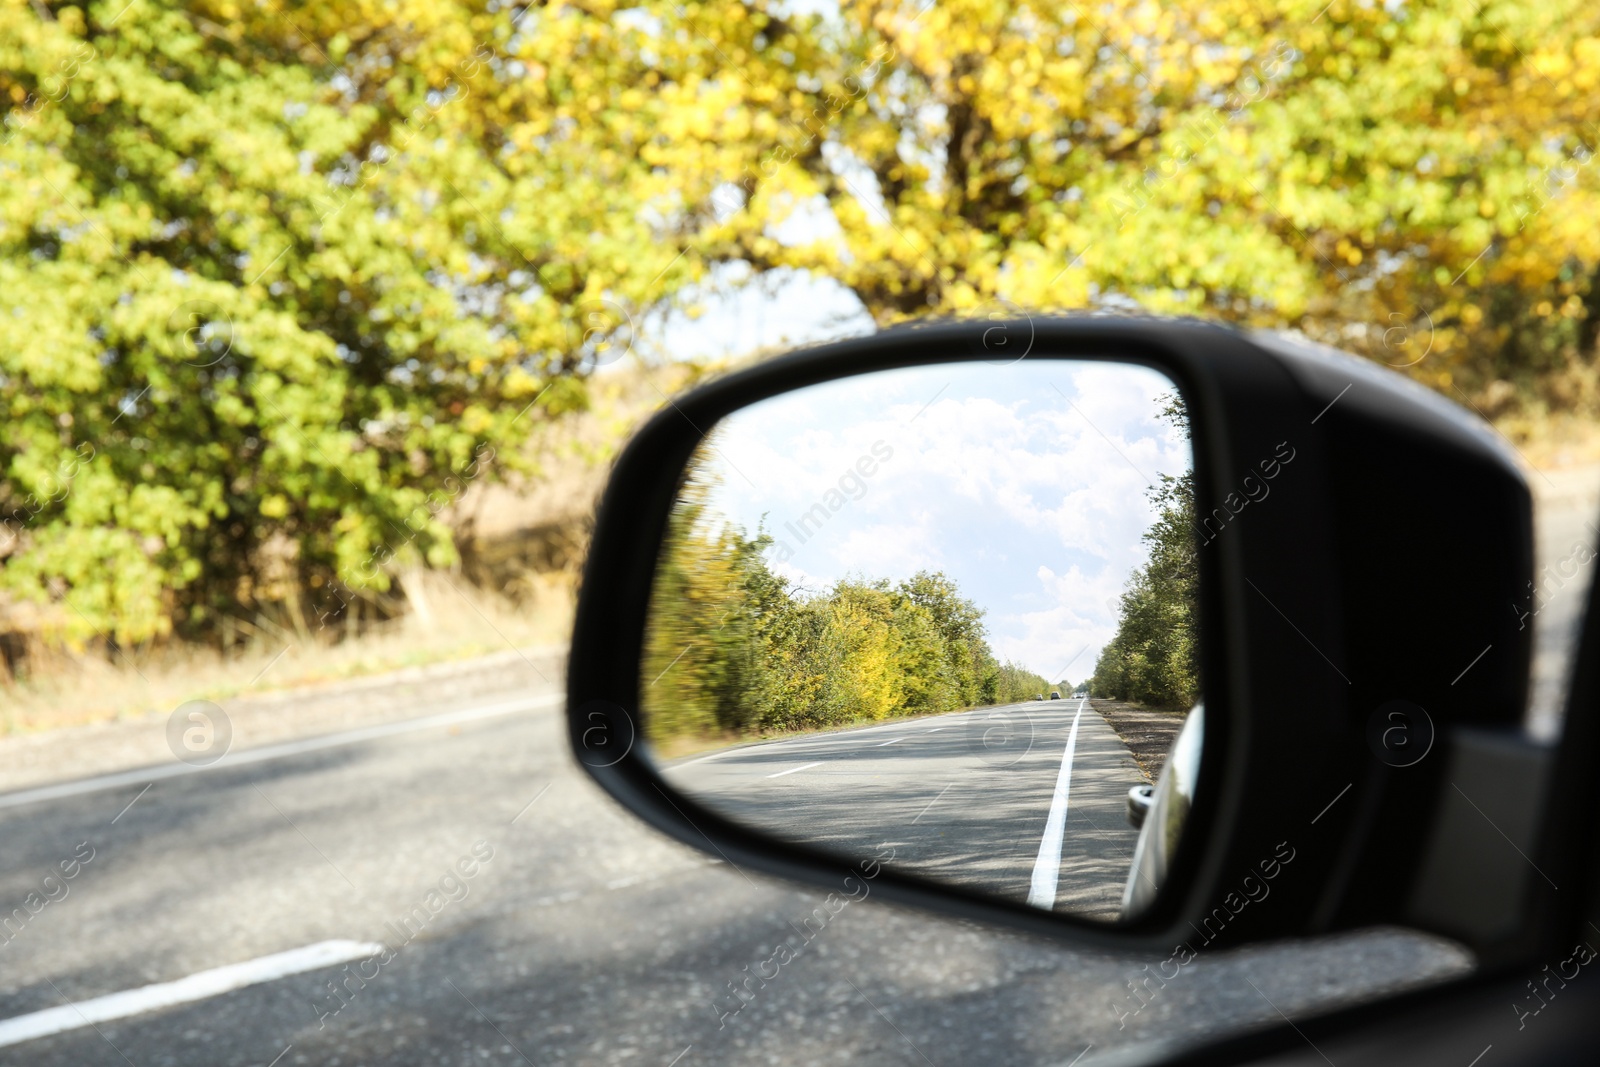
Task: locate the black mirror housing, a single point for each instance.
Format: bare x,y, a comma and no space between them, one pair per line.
1361,544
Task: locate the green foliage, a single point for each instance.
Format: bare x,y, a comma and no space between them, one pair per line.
1015,684
277,285
1412,181
733,649
1154,656
279,280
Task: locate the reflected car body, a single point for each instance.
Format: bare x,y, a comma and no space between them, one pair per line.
1054,695
1164,816
1140,797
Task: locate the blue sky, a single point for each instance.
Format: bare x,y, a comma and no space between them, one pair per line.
1025,483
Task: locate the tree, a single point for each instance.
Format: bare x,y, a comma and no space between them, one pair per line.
732,649
1411,180
1015,684
274,276
1154,657
279,283
959,623
713,605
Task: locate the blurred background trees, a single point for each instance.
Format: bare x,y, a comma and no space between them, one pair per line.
280,282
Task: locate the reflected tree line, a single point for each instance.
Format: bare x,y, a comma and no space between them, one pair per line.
735,650
1154,658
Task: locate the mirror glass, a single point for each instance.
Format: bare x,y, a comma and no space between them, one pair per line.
942,619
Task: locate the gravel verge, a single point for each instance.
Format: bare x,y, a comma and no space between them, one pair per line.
1148,732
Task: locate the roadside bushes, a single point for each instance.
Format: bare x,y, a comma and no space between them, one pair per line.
734,649
1014,684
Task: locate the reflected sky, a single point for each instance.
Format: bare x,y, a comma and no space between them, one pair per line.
1026,483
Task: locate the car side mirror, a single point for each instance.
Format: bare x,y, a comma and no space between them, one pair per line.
805,623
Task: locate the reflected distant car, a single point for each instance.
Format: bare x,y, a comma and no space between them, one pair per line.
1038,696
1160,811
1054,695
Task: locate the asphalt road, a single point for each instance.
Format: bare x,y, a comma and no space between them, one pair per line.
582,938
585,937
965,798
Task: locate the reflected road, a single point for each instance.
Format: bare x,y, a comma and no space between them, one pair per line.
964,798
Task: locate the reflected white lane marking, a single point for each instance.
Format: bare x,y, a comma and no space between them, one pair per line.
896,741
1047,866
792,770
195,987
936,729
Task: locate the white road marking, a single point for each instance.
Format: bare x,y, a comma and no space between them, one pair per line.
896,741
936,729
791,770
1047,866
199,986
270,752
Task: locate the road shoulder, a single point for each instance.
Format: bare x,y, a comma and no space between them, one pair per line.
29,761
1148,732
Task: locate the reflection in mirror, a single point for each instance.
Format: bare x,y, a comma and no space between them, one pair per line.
944,618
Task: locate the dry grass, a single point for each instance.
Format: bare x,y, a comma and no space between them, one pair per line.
1554,441
460,622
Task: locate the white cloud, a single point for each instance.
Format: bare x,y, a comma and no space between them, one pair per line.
1027,484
